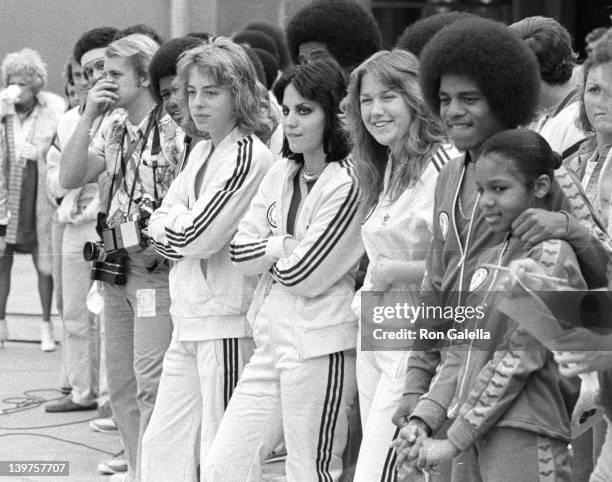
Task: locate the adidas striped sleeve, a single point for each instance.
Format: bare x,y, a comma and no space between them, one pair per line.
331,246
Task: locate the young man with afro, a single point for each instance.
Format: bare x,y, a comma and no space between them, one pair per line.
278,36
480,79
417,34
342,29
162,72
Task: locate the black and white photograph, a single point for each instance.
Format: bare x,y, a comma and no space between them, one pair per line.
306,240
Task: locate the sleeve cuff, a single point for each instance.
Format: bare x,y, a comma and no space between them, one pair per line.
432,413
176,210
181,222
417,380
575,234
275,248
410,401
461,435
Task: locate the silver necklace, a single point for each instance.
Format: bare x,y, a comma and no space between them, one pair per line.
309,176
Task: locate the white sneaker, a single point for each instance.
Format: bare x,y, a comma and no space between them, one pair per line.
113,466
104,425
47,342
4,334
119,478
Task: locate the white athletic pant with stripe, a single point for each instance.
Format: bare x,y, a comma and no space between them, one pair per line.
311,398
380,380
197,381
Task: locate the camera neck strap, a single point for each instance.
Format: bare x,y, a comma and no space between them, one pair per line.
127,156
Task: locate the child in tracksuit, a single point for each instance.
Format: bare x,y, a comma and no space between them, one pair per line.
514,406
301,234
211,341
398,152
467,70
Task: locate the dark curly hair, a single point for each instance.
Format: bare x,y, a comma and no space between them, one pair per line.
487,51
142,28
552,45
417,34
163,63
347,30
256,40
270,66
200,35
321,81
96,38
254,58
278,35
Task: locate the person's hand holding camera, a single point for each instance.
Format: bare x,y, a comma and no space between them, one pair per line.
101,98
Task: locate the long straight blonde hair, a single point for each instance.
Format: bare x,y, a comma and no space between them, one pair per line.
398,70
229,65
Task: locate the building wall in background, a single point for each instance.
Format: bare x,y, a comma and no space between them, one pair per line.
53,26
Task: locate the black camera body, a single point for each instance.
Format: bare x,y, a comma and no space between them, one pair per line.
109,256
110,268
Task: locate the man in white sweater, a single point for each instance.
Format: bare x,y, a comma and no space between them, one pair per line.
558,108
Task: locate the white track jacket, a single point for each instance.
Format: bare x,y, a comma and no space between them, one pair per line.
210,297
317,278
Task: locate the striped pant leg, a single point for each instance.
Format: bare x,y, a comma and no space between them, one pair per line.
507,454
377,458
316,396
252,413
198,379
220,363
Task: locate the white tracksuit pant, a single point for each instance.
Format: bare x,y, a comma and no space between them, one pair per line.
380,381
310,397
196,384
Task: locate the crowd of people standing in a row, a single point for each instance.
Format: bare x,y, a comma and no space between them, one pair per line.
240,197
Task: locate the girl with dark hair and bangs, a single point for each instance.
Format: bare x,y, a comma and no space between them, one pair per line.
398,151
301,235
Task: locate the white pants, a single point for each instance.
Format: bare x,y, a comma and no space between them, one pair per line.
81,328
380,380
603,468
197,381
310,398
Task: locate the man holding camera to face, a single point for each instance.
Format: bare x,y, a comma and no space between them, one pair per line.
139,153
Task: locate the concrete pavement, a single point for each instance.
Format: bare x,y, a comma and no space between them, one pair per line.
29,375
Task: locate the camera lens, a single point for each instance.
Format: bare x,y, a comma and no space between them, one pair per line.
89,250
